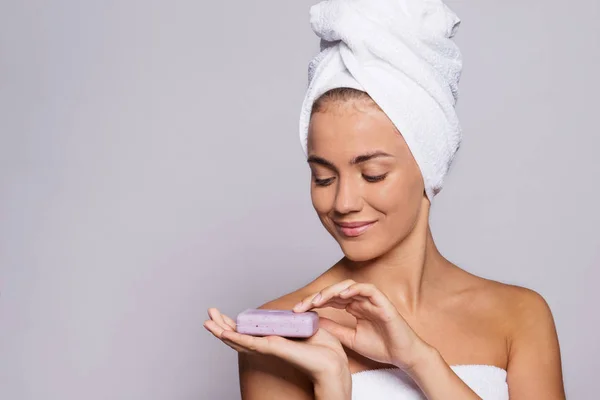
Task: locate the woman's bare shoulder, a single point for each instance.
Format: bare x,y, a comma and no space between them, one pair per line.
515,308
525,309
507,307
534,360
517,301
491,293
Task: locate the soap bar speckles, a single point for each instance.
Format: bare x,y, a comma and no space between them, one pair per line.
278,322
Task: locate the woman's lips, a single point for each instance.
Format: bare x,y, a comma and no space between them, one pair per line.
353,229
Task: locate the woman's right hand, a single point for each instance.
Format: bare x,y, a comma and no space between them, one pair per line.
321,356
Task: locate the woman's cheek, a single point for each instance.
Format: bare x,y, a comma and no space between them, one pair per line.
387,196
320,200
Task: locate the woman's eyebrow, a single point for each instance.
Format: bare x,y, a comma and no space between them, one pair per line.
321,161
369,156
356,160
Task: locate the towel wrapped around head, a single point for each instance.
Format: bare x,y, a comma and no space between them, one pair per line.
401,53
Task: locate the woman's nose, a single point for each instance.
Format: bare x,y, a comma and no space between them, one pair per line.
348,197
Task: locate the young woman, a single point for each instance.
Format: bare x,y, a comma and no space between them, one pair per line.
398,320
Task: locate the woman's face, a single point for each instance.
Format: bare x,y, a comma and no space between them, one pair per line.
366,186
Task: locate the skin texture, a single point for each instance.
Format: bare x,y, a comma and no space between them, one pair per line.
466,319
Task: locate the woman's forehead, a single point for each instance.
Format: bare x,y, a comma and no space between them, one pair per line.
362,131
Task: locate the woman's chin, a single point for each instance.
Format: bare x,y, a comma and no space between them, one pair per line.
359,252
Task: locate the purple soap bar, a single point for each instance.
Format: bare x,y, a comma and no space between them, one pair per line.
278,322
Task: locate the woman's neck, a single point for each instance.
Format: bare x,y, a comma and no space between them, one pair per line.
402,273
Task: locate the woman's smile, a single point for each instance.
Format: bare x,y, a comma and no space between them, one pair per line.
353,229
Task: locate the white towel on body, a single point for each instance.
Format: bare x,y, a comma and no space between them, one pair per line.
488,381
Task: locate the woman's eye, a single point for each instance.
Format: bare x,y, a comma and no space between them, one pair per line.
323,182
376,178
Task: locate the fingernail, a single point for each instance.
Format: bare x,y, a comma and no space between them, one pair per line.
345,291
316,298
297,306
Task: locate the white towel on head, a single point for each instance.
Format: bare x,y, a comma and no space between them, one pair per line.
401,53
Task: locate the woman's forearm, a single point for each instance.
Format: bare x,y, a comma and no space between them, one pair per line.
437,380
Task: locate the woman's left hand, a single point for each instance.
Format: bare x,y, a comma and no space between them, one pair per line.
381,333
321,356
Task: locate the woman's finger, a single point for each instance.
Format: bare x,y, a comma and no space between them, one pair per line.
335,302
234,346
294,352
216,316
308,357
274,345
351,292
214,328
229,322
318,298
362,308
343,333
370,303
260,344
367,290
217,331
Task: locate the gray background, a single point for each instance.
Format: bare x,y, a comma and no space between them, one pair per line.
150,167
